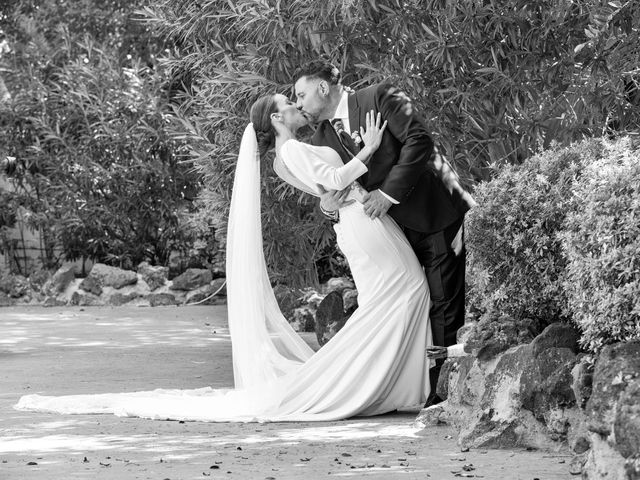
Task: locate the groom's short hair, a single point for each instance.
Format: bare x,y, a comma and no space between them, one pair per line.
319,69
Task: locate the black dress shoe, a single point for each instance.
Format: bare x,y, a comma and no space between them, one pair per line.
432,399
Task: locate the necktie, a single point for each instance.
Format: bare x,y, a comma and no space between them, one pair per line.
345,139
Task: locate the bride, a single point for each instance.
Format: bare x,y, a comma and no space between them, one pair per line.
375,364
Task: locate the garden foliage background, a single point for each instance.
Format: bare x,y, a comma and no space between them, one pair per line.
124,119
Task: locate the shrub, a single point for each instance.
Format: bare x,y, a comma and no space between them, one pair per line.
602,245
516,262
94,163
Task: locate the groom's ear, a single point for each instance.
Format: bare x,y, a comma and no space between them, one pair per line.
323,88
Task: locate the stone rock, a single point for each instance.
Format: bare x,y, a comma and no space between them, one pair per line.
337,284
118,299
442,389
463,333
454,375
206,291
155,277
312,298
626,425
350,300
106,276
582,384
303,319
577,463
431,416
191,279
580,444
603,461
38,279
85,299
546,383
15,286
219,285
632,467
491,336
91,285
6,300
330,317
53,302
161,299
60,280
556,335
616,366
218,272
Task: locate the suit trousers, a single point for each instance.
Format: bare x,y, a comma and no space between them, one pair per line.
443,255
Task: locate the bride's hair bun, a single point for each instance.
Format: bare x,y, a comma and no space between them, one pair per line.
260,116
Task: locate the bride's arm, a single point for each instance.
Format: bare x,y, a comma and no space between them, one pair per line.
307,164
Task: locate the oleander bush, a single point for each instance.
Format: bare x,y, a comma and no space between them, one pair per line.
516,262
558,239
601,242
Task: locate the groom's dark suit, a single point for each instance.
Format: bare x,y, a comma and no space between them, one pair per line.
432,203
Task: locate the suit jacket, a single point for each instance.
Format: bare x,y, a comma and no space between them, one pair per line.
405,166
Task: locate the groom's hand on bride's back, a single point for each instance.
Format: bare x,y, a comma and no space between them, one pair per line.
332,200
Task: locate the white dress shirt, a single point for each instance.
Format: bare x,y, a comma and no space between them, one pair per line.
342,113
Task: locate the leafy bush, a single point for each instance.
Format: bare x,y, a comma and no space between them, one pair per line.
516,263
602,245
94,162
454,58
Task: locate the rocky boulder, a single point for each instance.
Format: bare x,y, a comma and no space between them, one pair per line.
117,299
155,277
191,279
521,396
613,413
6,300
211,294
330,317
302,319
91,284
350,300
60,280
616,368
491,336
102,275
15,286
38,279
83,299
161,299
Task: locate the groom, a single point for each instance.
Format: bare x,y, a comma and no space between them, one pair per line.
407,179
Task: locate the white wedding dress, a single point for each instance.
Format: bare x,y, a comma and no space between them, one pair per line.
375,364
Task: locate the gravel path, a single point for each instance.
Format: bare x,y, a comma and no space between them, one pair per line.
69,350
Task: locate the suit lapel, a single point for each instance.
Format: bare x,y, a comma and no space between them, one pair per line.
326,136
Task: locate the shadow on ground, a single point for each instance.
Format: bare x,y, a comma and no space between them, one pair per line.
95,350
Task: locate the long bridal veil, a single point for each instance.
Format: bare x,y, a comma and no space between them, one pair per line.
264,346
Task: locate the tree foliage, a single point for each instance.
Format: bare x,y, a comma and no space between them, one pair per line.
85,137
496,79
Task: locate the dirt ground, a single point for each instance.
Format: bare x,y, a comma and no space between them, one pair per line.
54,351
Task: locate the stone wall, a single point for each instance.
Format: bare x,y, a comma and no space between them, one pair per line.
544,394
105,285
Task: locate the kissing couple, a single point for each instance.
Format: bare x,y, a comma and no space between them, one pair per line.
398,210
